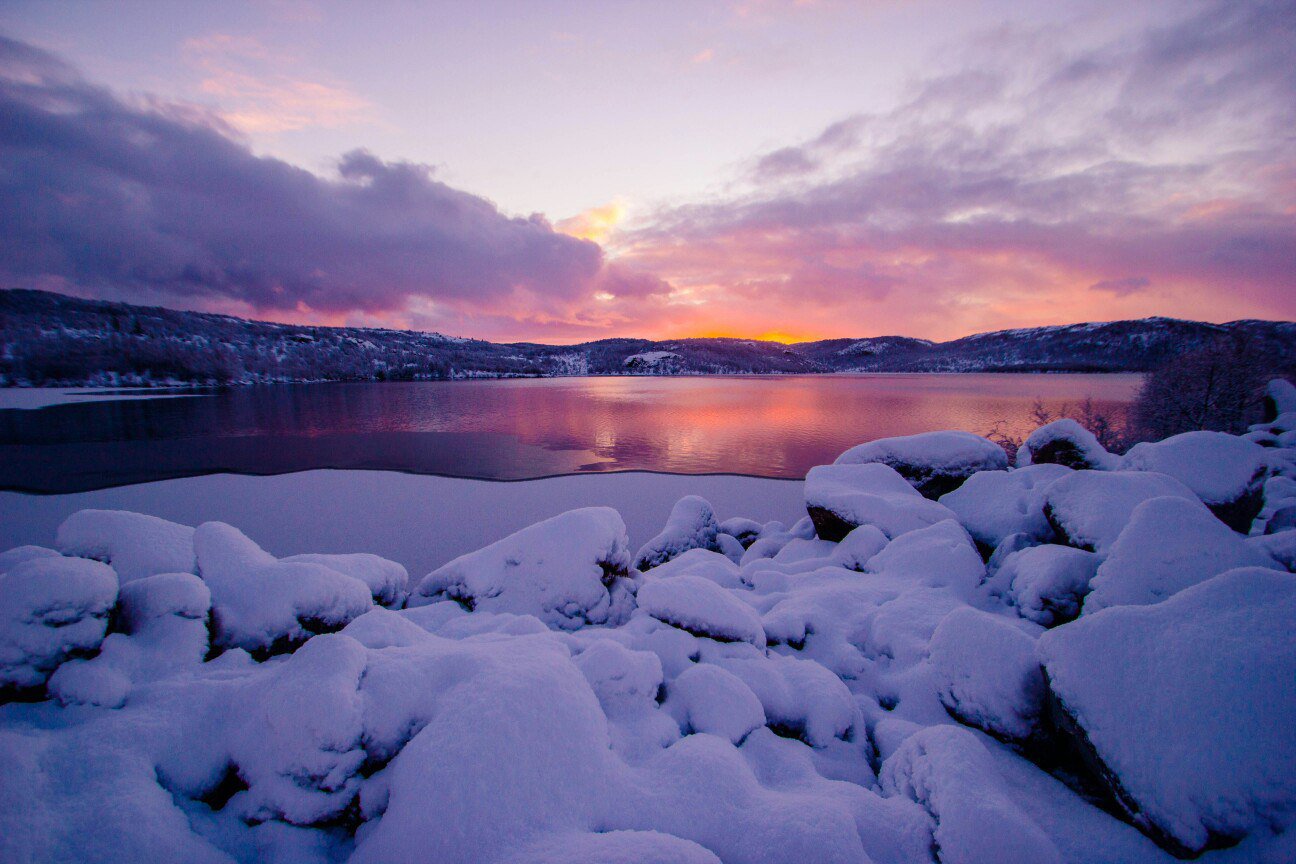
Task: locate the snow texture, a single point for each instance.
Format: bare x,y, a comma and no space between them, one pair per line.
934,462
993,505
1048,583
1226,472
701,607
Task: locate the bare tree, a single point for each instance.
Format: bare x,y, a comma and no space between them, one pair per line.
1220,387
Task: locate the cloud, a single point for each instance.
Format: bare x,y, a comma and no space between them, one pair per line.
257,95
158,202
1013,178
1122,287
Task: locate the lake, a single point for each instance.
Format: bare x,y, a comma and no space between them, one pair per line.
764,426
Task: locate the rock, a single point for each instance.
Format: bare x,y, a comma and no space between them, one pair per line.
1181,709
986,674
745,531
691,525
1226,472
1280,398
706,698
935,463
388,581
568,571
840,498
1169,544
1065,442
1089,509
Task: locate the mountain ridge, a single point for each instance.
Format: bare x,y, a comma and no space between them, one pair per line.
48,338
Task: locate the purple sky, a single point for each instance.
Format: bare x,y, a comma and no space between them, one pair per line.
567,171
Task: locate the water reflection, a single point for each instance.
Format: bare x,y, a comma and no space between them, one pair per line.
769,426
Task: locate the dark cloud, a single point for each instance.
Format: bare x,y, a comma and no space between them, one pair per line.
1122,287
104,195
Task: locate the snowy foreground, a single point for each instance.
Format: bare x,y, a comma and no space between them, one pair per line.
1082,658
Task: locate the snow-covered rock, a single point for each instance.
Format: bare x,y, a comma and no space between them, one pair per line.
948,771
567,571
1089,509
691,525
1048,583
1169,544
940,555
388,581
1226,472
51,609
933,462
993,505
135,544
701,607
1065,442
986,673
22,554
744,530
706,698
1182,708
840,498
264,605
1280,398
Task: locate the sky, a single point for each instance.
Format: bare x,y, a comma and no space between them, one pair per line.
567,171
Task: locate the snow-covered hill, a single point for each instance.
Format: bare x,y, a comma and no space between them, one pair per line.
50,339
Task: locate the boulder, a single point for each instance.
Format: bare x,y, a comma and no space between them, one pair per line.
840,498
935,463
993,505
691,525
1065,442
1226,472
1048,583
1089,509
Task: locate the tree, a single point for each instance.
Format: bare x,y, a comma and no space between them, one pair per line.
1220,388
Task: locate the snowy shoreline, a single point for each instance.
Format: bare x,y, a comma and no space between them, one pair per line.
935,656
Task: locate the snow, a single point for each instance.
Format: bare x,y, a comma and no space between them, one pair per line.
1065,442
387,580
1089,509
1169,544
952,775
708,699
691,525
1226,472
842,497
699,606
1048,583
934,462
1186,704
51,609
995,504
32,398
1281,394
876,695
135,545
986,673
568,571
261,604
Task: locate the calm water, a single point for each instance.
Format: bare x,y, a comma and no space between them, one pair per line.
777,426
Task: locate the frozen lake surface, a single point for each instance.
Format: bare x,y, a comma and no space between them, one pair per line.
766,426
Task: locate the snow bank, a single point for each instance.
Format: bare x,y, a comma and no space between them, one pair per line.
1065,442
1169,544
1089,509
1183,707
568,571
691,525
1226,472
840,498
388,581
134,544
934,462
